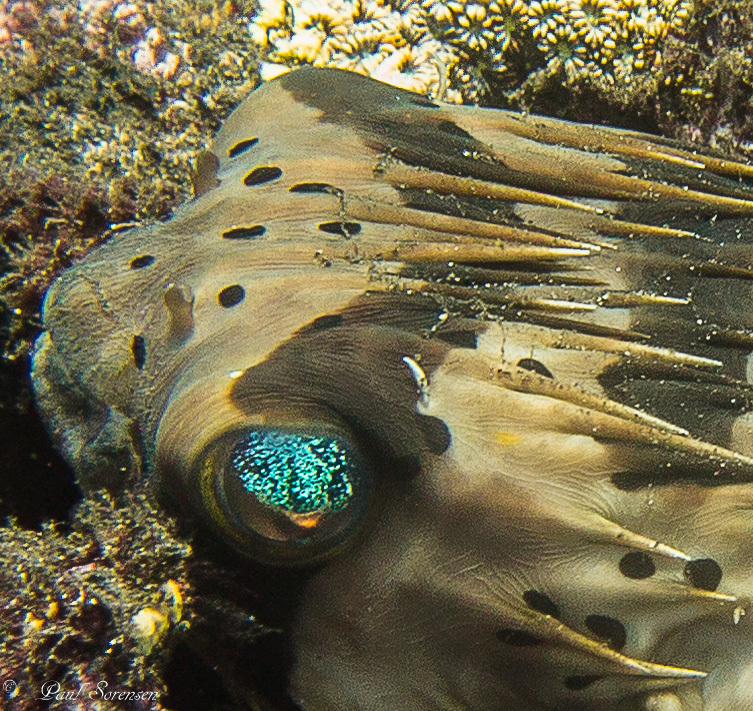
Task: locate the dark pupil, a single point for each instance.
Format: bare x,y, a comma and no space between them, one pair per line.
298,473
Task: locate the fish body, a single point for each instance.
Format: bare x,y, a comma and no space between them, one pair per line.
483,377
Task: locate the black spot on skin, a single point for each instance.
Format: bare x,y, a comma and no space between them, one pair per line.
535,366
704,573
344,229
637,565
262,174
231,296
462,339
608,629
329,321
241,147
541,603
251,232
436,434
325,188
578,683
143,260
517,638
138,351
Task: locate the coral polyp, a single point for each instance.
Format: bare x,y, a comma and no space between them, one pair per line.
593,20
464,44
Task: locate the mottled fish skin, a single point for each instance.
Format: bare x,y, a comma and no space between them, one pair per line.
529,340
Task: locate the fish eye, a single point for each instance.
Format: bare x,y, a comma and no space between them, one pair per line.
286,496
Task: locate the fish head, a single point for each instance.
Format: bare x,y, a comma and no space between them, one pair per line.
481,378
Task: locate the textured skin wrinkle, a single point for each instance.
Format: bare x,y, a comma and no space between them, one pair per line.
537,336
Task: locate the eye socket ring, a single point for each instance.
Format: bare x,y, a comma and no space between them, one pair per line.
285,495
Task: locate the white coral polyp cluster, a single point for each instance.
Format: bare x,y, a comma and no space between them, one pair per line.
441,48
386,40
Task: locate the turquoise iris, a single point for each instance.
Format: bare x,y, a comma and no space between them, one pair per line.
298,473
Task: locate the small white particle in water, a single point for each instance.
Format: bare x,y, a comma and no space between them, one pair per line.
235,374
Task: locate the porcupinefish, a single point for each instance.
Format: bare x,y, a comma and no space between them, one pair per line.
484,377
